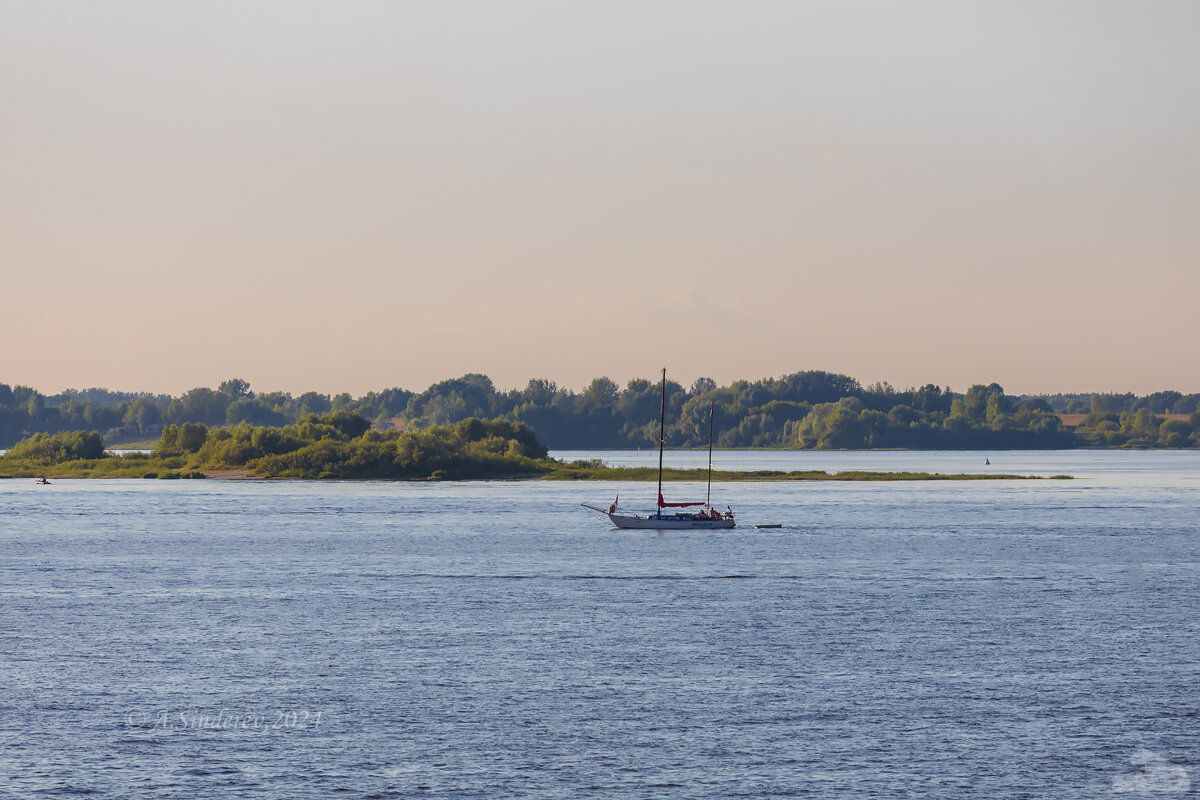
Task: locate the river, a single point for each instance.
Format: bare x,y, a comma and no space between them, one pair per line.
289,639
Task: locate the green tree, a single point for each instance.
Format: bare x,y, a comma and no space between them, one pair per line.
601,393
539,391
1175,433
49,449
176,439
140,414
200,405
931,398
235,388
350,425
975,401
313,403
998,409
253,411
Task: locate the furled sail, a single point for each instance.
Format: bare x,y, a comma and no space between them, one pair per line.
664,504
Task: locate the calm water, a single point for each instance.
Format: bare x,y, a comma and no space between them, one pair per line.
302,639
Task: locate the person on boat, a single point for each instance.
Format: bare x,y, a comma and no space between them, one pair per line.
728,512
613,508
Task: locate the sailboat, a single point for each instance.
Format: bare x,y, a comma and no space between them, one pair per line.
706,518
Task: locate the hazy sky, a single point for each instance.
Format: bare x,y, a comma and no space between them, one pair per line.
349,196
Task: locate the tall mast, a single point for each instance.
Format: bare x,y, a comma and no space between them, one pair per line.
708,492
662,413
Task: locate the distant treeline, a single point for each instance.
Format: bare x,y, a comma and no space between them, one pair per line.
811,409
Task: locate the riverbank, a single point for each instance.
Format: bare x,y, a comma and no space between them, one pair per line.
569,472
142,467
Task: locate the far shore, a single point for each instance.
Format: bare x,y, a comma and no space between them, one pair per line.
79,469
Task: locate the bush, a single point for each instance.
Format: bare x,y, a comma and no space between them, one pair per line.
46,449
177,439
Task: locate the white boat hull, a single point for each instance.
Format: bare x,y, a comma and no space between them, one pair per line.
667,522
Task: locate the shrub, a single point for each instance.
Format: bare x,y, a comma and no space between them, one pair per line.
46,449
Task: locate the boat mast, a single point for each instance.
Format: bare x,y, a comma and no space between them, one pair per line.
708,491
662,413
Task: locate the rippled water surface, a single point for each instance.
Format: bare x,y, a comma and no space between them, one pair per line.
314,639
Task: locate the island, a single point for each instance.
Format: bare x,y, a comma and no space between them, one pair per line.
343,445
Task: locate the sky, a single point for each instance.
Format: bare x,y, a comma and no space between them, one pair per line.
352,196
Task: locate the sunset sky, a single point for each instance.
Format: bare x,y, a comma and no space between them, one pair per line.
350,196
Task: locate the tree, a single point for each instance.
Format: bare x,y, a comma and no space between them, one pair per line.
235,388
313,403
472,395
351,425
253,411
1111,403
832,425
1035,404
816,386
1141,427
639,403
1174,433
191,437
200,405
975,401
601,393
47,449
904,415
185,438
539,391
998,408
140,414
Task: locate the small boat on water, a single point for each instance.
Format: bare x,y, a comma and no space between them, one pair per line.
42,482
706,518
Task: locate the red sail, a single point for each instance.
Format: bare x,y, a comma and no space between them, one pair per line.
664,504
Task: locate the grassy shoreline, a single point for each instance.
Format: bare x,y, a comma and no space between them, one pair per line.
649,474
147,468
